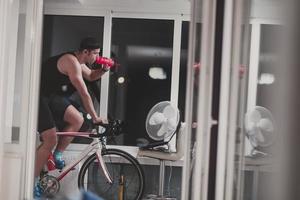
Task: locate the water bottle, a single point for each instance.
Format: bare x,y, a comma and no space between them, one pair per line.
104,61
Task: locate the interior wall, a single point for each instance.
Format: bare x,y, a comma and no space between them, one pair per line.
266,9
129,6
260,9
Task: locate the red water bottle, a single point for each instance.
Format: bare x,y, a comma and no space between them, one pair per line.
104,61
51,163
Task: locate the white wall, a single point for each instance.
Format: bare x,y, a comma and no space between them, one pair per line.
266,9
260,9
130,6
19,81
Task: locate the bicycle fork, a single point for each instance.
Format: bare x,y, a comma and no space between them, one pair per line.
102,164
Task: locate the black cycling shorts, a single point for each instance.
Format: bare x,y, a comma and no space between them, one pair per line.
51,112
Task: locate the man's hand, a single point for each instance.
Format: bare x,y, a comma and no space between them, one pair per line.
100,120
105,68
105,61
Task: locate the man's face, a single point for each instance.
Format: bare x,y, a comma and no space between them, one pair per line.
91,55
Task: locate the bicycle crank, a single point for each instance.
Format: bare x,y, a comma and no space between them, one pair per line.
50,185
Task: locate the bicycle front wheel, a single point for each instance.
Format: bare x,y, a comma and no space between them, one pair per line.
126,173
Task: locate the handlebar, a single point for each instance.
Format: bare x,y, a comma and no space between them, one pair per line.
112,128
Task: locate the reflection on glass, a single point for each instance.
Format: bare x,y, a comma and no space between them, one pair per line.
263,154
243,178
143,47
183,64
254,160
195,101
268,59
195,89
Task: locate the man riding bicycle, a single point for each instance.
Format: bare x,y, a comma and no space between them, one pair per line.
61,76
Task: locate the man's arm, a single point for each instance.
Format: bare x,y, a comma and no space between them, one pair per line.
91,75
72,68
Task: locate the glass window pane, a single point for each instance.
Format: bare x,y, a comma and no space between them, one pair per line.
267,64
63,33
143,48
183,66
254,163
195,97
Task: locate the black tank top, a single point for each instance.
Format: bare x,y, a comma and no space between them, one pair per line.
53,82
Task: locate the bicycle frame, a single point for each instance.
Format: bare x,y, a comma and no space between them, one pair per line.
95,147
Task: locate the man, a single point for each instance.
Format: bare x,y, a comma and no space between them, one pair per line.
61,76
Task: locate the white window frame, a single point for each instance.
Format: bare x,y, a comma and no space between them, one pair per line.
3,22
11,42
200,176
106,52
256,24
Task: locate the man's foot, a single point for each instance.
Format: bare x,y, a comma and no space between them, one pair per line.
59,162
37,191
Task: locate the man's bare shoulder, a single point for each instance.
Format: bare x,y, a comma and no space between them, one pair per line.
68,58
67,63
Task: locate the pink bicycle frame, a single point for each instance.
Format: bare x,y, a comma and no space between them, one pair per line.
94,147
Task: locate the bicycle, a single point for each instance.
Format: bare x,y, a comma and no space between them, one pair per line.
109,173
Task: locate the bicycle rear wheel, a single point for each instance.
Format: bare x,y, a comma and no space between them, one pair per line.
125,171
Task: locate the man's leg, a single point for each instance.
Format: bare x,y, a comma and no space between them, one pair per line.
49,141
47,130
74,120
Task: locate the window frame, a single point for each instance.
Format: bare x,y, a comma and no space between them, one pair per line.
108,15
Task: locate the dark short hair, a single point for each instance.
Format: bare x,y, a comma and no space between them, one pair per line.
89,43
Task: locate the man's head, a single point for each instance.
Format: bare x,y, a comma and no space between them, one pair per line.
90,49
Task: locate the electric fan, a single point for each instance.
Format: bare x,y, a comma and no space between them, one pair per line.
259,127
162,123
